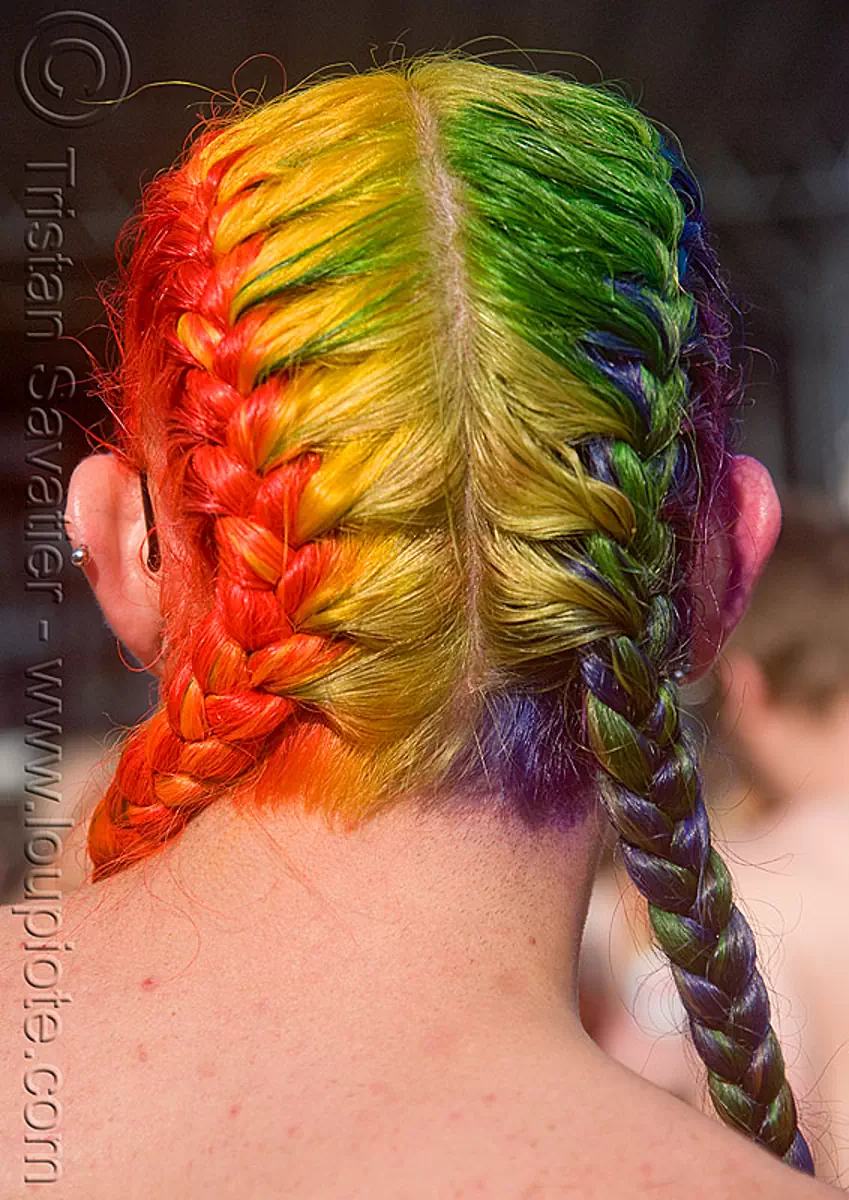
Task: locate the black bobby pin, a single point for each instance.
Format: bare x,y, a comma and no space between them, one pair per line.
154,558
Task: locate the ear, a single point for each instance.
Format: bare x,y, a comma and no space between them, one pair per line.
105,513
734,559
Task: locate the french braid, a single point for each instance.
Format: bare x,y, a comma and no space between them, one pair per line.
658,364
431,370
650,781
277,624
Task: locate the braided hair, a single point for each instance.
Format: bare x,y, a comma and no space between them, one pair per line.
430,370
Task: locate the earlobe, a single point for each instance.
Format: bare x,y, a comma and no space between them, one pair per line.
105,513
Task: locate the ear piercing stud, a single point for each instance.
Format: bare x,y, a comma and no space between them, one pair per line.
81,556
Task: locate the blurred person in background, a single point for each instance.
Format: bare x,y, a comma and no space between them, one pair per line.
777,780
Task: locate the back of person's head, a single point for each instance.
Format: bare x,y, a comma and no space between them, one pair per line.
428,369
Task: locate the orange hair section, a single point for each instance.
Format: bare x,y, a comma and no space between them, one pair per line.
277,385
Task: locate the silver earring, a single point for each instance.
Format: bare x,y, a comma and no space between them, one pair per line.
80,557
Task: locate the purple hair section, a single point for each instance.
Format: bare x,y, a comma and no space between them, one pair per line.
714,385
698,504
524,751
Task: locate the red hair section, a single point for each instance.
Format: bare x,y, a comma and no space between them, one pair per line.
233,574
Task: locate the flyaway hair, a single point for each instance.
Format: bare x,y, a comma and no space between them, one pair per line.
428,369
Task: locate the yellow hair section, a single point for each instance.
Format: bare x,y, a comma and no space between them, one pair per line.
445,440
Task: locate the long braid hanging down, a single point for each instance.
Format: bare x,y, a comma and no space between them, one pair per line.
658,360
651,788
650,782
430,370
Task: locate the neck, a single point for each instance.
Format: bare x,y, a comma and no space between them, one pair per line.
411,913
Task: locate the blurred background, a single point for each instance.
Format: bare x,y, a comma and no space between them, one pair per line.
755,90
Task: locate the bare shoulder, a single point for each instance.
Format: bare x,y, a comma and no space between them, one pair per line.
668,1144
542,1127
31,1020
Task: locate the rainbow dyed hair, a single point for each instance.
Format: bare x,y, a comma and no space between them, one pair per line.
429,370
